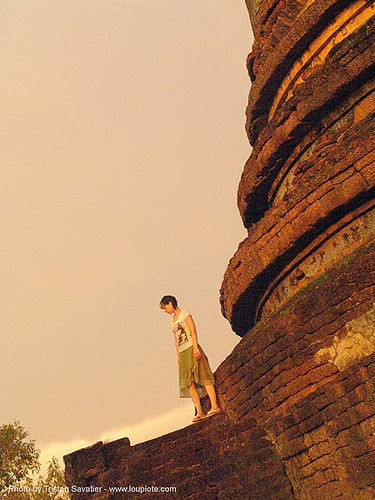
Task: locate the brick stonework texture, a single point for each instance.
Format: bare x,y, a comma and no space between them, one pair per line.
298,391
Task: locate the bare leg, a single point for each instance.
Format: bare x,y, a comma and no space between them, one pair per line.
212,395
195,397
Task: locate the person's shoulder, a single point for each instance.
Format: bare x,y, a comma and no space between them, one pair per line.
185,313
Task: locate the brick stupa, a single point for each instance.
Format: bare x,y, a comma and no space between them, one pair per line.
298,391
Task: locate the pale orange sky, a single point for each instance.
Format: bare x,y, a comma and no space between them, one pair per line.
122,140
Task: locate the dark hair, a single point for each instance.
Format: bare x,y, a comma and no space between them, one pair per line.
169,298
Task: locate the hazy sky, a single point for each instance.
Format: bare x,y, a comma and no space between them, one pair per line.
122,143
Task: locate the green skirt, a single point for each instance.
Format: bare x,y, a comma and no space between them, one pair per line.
194,370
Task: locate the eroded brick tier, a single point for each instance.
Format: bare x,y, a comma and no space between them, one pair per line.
298,391
311,174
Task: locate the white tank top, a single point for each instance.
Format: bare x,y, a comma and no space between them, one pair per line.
181,331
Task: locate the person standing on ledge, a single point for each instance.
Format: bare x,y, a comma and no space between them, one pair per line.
195,375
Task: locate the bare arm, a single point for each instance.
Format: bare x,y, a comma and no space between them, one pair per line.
176,345
194,336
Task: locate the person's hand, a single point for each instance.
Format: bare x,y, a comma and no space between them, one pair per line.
197,354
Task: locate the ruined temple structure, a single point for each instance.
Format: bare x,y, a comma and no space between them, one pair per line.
298,391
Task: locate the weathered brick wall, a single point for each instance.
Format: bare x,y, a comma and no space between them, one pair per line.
306,373
300,287
216,458
298,391
310,119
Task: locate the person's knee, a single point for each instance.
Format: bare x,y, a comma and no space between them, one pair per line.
192,384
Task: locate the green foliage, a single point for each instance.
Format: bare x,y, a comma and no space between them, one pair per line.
51,487
18,457
19,461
